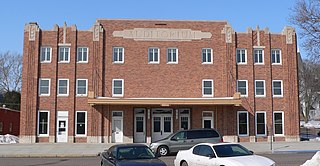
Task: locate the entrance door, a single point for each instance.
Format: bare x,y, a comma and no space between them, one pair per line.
62,126
117,127
139,126
161,123
207,119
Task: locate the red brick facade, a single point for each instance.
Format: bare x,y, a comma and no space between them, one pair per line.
144,81
9,121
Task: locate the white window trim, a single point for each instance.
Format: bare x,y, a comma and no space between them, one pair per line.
247,123
122,89
177,55
212,87
246,95
206,54
154,62
245,54
63,61
264,88
184,115
282,124
265,123
45,61
258,63
59,87
40,86
80,95
38,124
281,88
87,55
118,62
86,125
280,54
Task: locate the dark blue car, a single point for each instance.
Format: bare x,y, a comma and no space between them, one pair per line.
130,155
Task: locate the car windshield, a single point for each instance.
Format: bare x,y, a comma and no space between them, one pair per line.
133,153
231,150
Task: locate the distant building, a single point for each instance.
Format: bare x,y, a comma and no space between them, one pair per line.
141,80
9,121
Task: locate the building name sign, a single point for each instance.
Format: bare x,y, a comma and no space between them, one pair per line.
161,34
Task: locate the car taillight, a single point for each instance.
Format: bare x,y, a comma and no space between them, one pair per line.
221,140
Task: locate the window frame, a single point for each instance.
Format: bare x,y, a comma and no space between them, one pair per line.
58,89
282,123
241,56
205,61
280,57
264,88
262,56
46,56
281,83
82,61
49,86
172,55
85,123
118,55
246,95
265,123
153,55
38,124
77,93
122,88
203,88
64,54
238,123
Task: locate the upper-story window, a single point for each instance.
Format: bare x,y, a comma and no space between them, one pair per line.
45,56
207,88
277,89
276,56
260,88
207,56
44,87
241,56
154,55
172,55
82,55
117,87
258,56
118,55
63,87
242,87
82,87
64,54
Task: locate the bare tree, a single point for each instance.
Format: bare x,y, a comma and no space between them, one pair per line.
306,15
10,72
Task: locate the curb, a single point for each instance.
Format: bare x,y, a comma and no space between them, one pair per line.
47,155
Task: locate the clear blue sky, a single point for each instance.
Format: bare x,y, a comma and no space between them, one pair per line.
241,14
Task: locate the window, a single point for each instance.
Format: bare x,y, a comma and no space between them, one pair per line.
82,86
44,87
45,56
118,55
184,118
1,127
172,55
258,56
207,88
43,123
206,56
154,55
241,56
81,123
64,54
278,123
117,87
243,125
63,87
82,55
242,87
203,150
261,128
277,89
276,56
259,88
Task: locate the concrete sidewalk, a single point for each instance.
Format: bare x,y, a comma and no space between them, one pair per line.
90,150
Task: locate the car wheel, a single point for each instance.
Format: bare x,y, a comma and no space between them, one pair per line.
184,163
163,150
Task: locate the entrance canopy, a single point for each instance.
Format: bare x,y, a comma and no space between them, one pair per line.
235,100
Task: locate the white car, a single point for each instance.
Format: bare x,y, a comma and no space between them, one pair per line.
220,154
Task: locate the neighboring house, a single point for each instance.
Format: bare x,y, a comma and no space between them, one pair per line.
141,80
9,121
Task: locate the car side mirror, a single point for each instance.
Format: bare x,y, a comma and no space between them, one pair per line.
157,155
251,152
211,156
174,139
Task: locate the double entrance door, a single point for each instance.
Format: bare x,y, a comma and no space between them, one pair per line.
161,123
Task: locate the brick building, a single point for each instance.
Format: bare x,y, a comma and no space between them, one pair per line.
9,121
140,80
